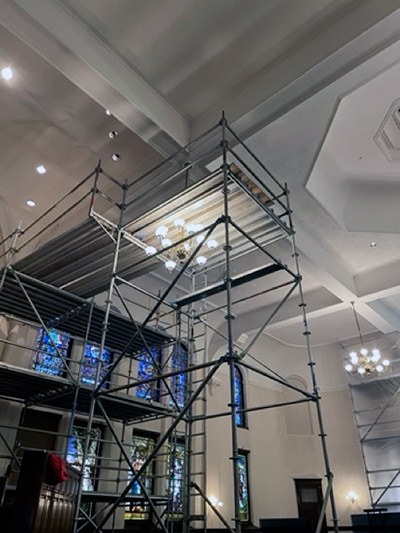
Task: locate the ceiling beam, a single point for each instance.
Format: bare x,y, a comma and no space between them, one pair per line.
86,59
309,68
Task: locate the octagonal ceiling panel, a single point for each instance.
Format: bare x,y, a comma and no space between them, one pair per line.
356,175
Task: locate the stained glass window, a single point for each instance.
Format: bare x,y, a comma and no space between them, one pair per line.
146,370
90,362
244,505
179,361
76,445
175,481
239,397
46,359
142,446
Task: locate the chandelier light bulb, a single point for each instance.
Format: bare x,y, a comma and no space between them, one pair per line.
201,260
186,246
150,250
375,356
191,228
161,231
352,355
354,360
379,368
349,367
199,227
179,223
212,244
385,362
199,239
363,351
361,370
166,242
170,265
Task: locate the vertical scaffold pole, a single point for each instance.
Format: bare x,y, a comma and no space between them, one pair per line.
229,318
102,345
311,365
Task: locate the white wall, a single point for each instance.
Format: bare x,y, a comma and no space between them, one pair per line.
276,456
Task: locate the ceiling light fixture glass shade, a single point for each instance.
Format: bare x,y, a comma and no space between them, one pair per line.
365,362
178,254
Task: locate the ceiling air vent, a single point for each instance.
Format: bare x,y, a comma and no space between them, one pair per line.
388,135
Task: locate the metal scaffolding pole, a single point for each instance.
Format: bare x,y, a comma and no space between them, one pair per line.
311,365
102,345
229,318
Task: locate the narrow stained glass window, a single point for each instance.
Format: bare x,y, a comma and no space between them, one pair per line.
243,488
90,363
76,445
239,397
147,369
142,446
46,359
179,361
175,469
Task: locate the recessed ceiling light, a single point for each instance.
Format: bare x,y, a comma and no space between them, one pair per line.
115,157
30,203
41,169
108,112
7,73
373,244
112,134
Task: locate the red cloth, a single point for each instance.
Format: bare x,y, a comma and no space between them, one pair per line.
56,471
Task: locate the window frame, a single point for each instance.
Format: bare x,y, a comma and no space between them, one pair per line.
246,455
179,441
154,386
106,385
154,436
81,423
242,405
39,344
174,381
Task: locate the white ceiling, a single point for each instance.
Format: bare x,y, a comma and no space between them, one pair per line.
167,69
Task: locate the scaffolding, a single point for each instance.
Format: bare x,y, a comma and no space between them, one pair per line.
376,413
215,180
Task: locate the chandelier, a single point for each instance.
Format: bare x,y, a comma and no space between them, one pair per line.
177,255
365,362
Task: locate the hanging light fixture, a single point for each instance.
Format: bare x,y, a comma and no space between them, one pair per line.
177,255
365,362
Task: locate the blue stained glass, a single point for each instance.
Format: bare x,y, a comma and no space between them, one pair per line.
175,468
239,397
243,488
90,363
179,361
146,370
75,450
142,446
46,359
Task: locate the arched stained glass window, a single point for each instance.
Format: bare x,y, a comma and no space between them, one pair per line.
239,398
179,361
46,359
90,363
147,368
